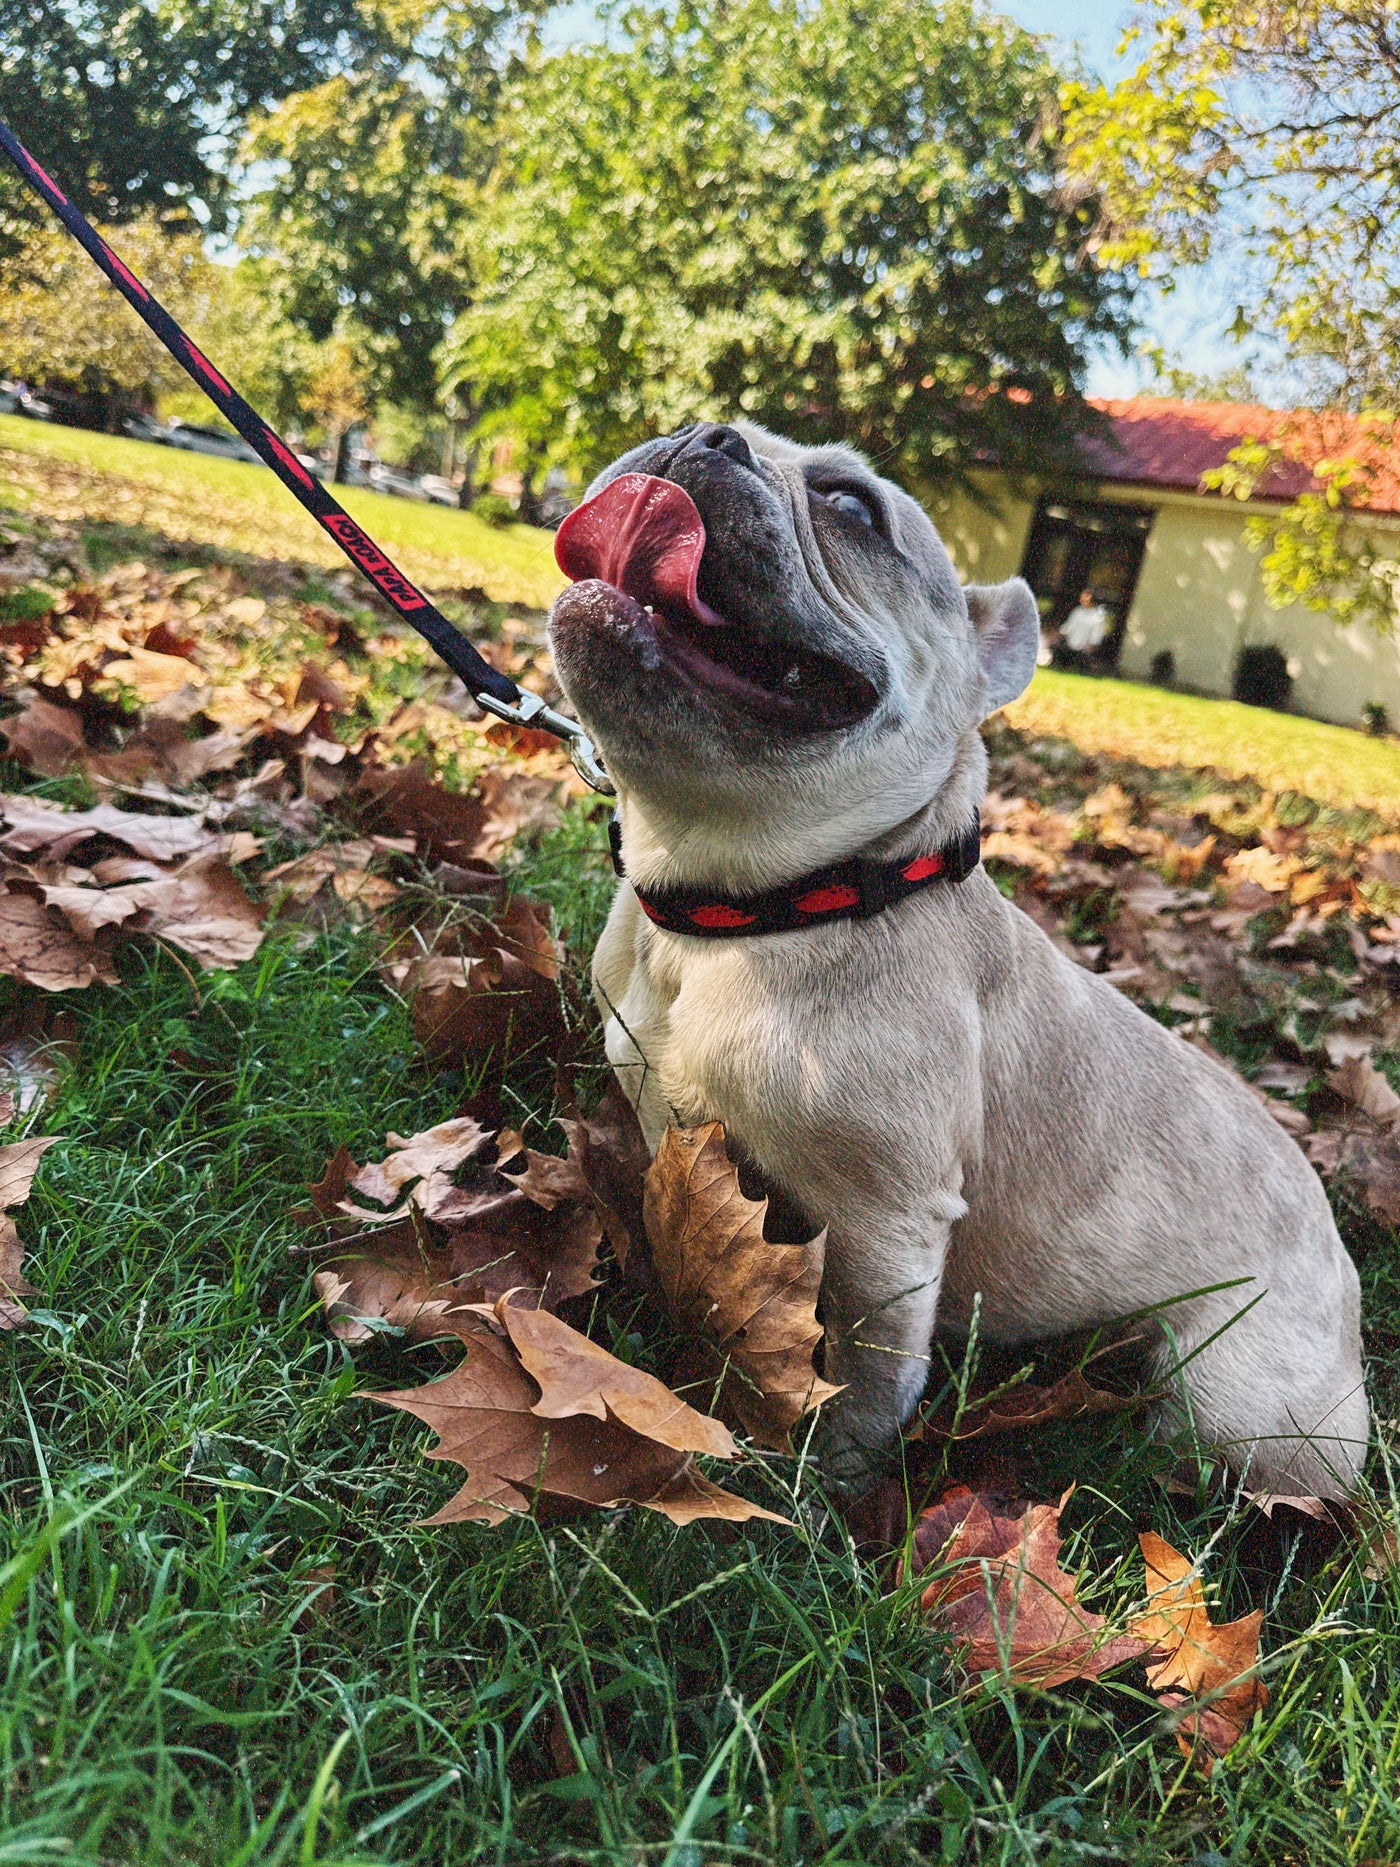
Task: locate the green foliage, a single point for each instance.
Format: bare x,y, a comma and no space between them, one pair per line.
62,325
369,174
1270,130
841,220
134,105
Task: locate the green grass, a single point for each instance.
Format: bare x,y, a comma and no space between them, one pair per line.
182,1447
1279,751
233,506
182,1455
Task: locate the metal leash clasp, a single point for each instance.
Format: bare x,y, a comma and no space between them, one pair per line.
530,710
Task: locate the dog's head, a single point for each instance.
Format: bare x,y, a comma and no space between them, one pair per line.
801,667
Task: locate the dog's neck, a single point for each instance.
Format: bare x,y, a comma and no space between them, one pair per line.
748,850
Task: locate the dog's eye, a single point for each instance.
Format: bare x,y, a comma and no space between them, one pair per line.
851,504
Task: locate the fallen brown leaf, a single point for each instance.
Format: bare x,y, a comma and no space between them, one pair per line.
1212,1663
488,1414
47,738
36,825
750,1303
42,950
1003,1597
613,1159
482,983
1072,1397
19,1162
1359,1082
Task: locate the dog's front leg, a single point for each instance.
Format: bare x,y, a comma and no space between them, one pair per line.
878,1310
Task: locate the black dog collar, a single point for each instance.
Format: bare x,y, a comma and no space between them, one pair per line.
851,890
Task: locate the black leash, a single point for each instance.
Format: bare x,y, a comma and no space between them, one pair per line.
493,691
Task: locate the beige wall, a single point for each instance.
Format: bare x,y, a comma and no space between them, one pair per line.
985,542
1200,595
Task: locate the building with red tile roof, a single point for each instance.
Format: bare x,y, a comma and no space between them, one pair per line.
1163,570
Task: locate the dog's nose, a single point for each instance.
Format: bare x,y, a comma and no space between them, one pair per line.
719,438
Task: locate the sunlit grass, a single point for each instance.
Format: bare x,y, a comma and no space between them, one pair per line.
1155,727
234,506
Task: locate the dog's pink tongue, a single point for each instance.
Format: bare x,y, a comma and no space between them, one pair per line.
643,536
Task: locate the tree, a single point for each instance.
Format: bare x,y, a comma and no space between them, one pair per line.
842,219
368,176
137,105
1270,129
63,326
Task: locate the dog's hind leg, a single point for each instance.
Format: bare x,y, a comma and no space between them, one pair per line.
1275,1391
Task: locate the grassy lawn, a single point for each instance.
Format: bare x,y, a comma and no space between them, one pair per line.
185,1464
233,506
1154,727
230,506
226,1641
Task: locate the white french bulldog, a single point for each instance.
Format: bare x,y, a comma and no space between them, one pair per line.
972,1115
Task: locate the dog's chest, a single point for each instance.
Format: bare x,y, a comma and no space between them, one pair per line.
711,1036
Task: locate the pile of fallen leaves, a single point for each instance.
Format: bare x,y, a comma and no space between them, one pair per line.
208,719
1260,927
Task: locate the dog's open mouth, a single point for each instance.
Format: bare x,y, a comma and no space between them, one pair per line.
642,538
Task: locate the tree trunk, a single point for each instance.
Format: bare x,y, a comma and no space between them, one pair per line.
466,493
342,455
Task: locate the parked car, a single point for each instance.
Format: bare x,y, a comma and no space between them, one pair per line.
441,491
146,428
386,480
17,398
197,440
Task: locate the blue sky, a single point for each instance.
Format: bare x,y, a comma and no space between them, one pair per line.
1190,322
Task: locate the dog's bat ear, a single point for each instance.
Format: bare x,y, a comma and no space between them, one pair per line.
1006,628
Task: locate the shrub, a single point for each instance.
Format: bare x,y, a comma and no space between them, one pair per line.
1262,678
494,509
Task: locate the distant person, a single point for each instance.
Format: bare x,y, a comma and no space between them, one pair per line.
1085,626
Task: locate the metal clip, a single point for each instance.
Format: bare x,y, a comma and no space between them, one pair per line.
530,710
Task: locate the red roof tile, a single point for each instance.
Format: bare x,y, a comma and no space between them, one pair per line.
1161,442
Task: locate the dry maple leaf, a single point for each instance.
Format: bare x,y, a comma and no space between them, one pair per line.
39,948
613,1159
36,825
751,1303
18,1164
485,1238
1198,1660
488,1415
200,906
1004,1598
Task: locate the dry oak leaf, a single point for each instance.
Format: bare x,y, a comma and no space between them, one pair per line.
1011,1607
42,950
490,1417
1359,1082
753,1304
1213,1664
18,1164
47,738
